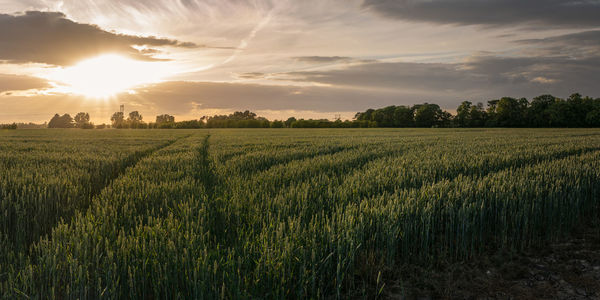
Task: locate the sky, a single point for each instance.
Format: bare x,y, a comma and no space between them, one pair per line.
282,58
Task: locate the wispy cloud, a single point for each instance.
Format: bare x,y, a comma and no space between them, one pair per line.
244,42
323,59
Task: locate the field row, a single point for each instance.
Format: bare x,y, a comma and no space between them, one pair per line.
287,214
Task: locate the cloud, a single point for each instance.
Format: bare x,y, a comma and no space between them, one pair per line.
252,75
323,59
552,13
415,76
360,86
191,100
579,39
480,76
444,84
51,38
543,80
10,82
181,97
575,45
331,59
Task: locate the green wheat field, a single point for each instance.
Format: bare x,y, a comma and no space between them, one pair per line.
276,213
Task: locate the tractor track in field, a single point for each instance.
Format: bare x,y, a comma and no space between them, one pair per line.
130,161
265,167
471,171
336,171
205,174
468,172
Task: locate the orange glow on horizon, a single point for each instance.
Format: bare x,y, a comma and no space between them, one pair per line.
107,75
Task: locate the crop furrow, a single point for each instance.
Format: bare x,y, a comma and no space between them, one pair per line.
52,211
411,176
254,163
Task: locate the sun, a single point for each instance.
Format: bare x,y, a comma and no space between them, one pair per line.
107,75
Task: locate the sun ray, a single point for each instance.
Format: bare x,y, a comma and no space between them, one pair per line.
107,75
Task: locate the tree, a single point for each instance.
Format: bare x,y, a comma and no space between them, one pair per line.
246,115
557,114
12,126
64,121
445,119
277,124
290,121
378,116
165,119
477,115
537,113
510,112
463,114
135,120
365,116
192,124
118,120
387,118
82,120
592,118
135,117
428,115
404,116
576,111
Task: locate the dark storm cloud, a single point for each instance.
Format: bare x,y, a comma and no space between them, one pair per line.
584,38
553,13
51,38
392,76
484,76
576,45
18,83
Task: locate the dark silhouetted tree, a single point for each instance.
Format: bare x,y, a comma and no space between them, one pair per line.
537,113
289,121
82,120
510,112
135,116
135,120
404,116
118,120
64,121
478,116
463,114
277,124
592,118
165,119
12,126
428,115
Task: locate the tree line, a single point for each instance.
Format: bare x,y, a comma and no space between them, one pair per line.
81,120
8,126
21,125
542,111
